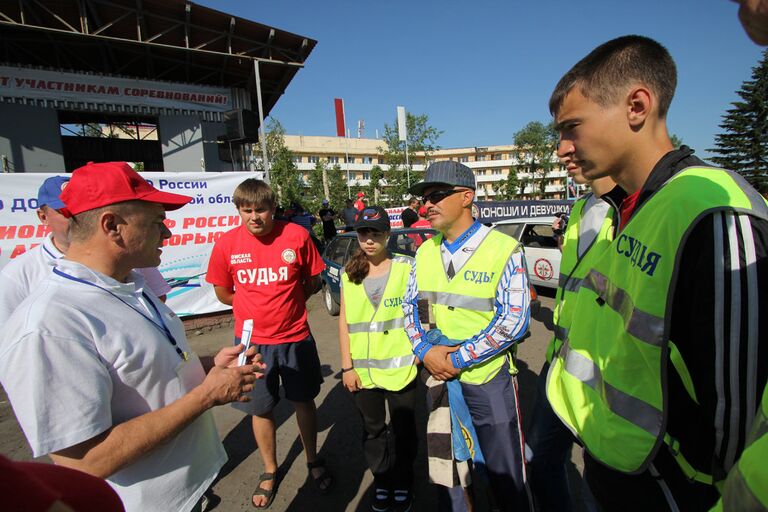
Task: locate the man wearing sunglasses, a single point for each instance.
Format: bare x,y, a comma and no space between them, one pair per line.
476,284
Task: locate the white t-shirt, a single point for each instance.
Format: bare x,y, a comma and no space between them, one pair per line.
154,280
466,250
22,274
77,361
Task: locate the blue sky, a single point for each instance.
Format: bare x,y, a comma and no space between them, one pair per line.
481,70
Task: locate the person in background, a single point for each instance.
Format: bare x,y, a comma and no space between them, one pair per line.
409,214
22,274
377,364
585,235
349,215
266,270
328,216
746,487
155,281
419,238
360,203
124,396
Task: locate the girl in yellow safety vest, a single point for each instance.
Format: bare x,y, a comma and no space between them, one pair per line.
377,363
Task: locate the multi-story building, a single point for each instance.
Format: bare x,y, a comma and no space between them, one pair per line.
491,164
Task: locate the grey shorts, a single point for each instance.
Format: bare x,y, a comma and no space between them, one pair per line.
295,364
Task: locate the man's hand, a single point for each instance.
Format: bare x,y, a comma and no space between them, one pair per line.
227,357
437,362
223,385
351,381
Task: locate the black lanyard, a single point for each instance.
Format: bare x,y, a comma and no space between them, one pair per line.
164,328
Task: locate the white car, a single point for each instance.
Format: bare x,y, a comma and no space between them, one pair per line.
541,253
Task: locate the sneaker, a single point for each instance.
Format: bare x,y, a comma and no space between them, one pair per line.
402,500
380,501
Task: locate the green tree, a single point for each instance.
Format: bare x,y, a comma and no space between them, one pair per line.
509,187
337,187
374,190
535,146
743,145
422,142
676,141
284,177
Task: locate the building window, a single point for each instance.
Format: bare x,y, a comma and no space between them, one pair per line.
296,159
313,159
496,156
333,159
349,159
479,158
366,175
463,159
497,172
367,160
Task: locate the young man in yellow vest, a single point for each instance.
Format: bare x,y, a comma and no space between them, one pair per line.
587,233
662,368
475,281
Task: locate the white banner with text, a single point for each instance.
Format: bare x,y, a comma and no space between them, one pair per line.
195,228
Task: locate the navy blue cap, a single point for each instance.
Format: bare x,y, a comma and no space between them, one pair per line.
373,217
50,190
446,172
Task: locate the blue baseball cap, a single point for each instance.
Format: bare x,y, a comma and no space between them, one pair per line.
49,192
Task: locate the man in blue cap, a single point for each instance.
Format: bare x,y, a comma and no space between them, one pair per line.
21,274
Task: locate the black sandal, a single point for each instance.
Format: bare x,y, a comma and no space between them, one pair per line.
268,493
325,476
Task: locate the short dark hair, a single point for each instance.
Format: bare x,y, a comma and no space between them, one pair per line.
253,192
602,75
83,225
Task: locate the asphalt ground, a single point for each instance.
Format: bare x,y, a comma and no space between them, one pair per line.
339,429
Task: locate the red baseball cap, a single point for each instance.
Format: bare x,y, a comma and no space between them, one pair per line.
361,194
100,184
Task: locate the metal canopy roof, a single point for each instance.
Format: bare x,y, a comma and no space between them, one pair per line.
170,40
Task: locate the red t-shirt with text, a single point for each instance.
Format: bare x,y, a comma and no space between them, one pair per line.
267,273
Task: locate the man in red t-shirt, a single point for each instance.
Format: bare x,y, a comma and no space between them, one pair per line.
266,270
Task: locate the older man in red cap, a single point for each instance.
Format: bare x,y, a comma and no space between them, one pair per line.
99,373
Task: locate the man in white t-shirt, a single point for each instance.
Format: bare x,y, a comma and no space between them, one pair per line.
22,273
99,373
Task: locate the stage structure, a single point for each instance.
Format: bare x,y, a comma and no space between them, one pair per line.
166,84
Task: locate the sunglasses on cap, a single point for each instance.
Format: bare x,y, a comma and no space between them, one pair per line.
438,195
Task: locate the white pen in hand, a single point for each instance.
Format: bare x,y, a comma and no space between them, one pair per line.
245,339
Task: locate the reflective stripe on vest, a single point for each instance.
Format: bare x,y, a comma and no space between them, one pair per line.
627,406
384,364
463,307
607,384
746,487
643,326
394,323
573,269
454,300
381,351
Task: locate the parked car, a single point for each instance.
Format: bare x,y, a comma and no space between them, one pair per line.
542,255
401,241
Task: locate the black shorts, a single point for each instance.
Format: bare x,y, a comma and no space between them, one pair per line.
296,364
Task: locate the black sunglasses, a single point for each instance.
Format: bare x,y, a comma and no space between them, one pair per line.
438,195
